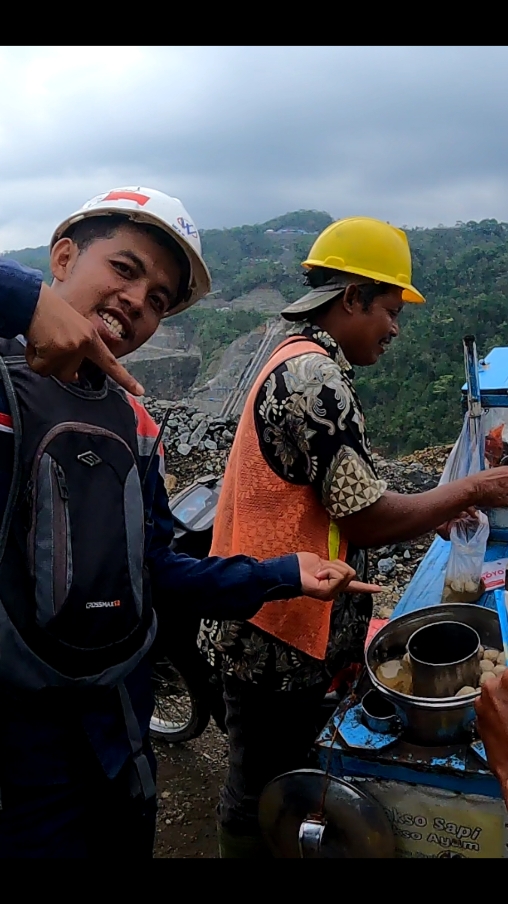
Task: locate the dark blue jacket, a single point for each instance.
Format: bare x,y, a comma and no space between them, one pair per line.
38,736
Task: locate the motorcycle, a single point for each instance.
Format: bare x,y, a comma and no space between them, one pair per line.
188,693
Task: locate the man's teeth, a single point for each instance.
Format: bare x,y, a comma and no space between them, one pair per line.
113,325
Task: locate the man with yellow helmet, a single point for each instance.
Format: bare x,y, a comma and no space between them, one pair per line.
301,475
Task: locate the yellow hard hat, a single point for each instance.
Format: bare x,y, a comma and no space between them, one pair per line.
366,247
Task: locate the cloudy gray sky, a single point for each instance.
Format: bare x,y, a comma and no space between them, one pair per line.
413,135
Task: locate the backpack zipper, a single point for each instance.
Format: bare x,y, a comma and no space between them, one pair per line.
62,486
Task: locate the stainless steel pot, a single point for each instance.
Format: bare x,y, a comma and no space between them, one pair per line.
430,721
443,658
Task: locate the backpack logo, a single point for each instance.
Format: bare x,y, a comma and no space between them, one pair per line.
104,604
89,458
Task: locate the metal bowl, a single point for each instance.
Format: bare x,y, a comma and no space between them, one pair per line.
428,720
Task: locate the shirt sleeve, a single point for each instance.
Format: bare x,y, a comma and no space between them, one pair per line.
19,292
214,587
311,430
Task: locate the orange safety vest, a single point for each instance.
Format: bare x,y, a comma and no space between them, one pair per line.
261,515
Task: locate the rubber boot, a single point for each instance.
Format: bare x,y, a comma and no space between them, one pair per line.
241,847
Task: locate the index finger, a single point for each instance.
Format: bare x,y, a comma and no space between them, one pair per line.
360,587
100,354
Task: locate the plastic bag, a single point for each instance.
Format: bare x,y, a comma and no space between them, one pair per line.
463,579
467,455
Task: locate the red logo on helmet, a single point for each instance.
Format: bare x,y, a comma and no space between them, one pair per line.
127,196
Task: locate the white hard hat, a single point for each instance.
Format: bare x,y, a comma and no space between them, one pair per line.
147,205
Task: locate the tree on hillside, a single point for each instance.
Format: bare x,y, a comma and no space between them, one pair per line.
36,258
312,221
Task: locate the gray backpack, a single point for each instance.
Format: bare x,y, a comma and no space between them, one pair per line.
75,606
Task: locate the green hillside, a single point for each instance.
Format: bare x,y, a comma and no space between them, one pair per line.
411,396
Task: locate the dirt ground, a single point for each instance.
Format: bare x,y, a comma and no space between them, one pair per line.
189,779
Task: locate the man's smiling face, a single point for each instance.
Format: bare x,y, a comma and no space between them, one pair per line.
123,284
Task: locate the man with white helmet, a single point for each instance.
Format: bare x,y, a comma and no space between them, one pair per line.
301,473
85,529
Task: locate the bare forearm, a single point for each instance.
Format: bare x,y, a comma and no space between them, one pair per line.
396,517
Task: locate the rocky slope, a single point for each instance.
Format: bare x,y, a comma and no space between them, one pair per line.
195,444
393,566
168,365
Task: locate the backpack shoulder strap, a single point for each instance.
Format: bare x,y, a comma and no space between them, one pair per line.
155,446
141,783
16,468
